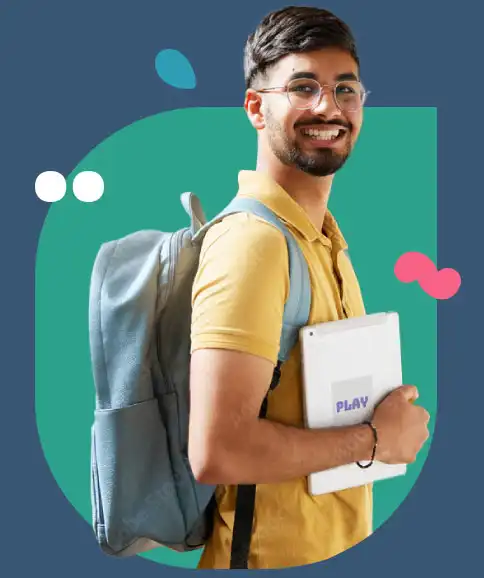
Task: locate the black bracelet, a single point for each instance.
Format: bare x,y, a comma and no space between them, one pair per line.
375,435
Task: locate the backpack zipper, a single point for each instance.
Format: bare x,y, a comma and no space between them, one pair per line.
167,293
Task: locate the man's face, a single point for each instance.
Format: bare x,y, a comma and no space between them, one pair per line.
294,135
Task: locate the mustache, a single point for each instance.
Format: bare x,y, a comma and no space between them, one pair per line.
315,122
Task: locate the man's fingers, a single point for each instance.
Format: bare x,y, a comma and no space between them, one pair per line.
410,392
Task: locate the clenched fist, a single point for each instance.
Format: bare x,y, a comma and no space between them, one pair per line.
402,426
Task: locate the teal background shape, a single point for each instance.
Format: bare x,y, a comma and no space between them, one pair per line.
385,200
174,68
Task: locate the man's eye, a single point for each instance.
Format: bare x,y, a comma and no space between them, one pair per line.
303,88
347,89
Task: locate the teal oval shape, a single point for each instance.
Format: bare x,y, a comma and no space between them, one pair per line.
175,69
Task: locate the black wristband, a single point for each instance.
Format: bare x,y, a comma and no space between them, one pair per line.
375,435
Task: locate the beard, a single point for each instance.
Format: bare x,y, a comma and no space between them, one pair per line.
320,162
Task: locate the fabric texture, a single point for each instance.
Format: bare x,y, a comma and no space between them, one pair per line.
238,301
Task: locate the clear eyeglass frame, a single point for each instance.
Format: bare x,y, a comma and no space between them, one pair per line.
316,98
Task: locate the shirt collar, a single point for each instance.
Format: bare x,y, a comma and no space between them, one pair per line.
261,186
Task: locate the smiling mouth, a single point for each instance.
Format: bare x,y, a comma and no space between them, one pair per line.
323,137
326,135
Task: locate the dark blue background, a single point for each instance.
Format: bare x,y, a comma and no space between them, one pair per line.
74,72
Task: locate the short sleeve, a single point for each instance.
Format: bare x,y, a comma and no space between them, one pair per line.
241,287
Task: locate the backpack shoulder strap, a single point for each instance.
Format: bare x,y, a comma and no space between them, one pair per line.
296,315
296,311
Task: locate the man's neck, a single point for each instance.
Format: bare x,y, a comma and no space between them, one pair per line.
311,193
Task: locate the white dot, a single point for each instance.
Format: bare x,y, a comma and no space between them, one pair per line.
50,186
88,186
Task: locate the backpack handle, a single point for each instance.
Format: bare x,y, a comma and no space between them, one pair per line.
191,204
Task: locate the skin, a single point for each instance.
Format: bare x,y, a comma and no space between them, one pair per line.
228,443
279,128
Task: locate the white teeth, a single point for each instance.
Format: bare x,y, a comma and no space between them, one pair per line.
321,134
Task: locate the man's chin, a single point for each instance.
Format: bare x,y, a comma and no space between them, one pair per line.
318,168
318,163
317,171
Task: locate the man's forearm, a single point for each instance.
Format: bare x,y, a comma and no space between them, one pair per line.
268,452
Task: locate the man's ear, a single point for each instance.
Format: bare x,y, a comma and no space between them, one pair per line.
253,108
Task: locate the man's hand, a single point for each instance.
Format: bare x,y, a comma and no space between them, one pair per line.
402,426
229,444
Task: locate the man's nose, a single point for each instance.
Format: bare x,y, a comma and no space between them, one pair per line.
327,104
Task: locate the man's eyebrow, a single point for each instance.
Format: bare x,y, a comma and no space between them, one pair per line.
347,76
301,74
306,74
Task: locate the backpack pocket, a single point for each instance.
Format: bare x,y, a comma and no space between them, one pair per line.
194,498
134,492
182,473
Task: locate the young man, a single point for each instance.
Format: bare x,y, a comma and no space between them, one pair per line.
305,100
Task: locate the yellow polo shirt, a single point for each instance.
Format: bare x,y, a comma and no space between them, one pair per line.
238,302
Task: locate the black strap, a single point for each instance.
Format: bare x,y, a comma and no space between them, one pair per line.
245,503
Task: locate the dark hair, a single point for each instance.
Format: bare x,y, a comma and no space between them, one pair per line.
291,30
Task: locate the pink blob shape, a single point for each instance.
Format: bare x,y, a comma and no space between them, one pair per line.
443,284
414,266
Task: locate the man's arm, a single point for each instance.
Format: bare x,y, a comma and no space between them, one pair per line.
229,444
238,305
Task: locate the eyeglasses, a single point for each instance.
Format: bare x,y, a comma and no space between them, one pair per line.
305,93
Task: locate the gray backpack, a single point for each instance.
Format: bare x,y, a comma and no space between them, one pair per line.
143,492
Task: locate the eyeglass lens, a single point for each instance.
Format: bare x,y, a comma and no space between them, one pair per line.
305,93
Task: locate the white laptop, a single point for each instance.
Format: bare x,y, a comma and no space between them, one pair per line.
348,367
